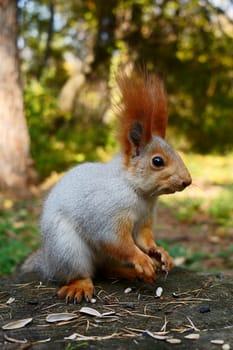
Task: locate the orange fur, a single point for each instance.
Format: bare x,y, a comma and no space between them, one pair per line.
124,249
125,272
143,101
77,290
145,239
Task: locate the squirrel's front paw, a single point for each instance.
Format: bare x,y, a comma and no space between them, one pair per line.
77,290
145,268
162,258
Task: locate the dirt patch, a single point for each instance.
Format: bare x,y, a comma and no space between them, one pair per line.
202,304
207,246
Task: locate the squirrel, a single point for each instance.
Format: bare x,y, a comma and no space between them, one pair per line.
99,216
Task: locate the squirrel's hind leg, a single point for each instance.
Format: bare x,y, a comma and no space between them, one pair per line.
77,290
124,272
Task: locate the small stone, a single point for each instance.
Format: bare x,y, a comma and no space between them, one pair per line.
204,309
226,347
93,301
129,306
33,302
220,276
143,297
217,341
128,290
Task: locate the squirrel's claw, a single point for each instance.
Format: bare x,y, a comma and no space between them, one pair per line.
161,257
77,290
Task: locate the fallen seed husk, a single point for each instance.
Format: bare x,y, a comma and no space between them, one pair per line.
14,340
106,314
193,336
106,319
64,316
217,341
42,341
93,301
173,341
90,311
93,312
17,324
175,295
159,292
156,336
10,301
128,290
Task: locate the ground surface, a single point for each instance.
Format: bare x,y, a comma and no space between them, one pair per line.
134,314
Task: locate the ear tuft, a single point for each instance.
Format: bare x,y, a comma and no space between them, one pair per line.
142,112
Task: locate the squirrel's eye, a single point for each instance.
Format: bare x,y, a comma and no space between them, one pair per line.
157,162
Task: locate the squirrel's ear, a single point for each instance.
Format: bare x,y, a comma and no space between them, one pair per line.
135,136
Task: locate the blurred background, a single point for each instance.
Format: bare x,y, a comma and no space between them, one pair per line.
57,86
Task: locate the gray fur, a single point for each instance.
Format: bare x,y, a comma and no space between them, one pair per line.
80,212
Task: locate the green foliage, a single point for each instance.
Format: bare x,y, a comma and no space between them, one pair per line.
175,250
189,42
221,208
58,140
17,237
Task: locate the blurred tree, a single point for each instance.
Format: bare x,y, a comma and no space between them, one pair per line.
14,140
79,44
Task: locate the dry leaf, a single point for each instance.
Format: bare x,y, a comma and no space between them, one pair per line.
64,316
17,324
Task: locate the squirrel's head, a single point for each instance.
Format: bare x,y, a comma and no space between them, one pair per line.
157,168
154,167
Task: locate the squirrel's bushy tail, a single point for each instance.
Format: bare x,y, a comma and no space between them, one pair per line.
33,262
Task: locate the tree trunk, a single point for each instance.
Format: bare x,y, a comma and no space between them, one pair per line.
14,137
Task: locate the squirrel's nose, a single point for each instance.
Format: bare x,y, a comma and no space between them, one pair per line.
186,183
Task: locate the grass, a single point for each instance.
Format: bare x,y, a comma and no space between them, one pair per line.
18,233
206,206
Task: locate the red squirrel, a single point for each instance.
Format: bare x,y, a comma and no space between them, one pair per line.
99,216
